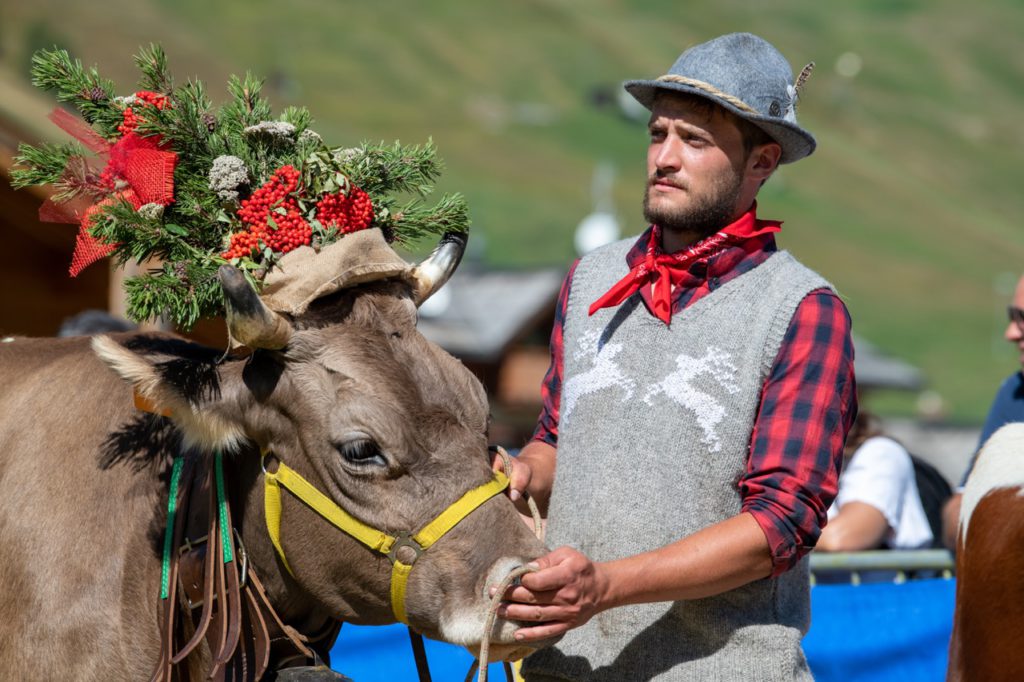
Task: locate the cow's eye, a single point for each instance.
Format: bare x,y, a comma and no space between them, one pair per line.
361,452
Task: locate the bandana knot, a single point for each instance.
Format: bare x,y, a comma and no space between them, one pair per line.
666,270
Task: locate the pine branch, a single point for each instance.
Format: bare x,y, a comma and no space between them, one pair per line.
415,221
79,178
298,117
190,233
247,107
182,125
85,89
43,165
386,169
152,62
183,293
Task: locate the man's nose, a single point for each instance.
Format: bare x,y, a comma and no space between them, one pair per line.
1013,333
668,158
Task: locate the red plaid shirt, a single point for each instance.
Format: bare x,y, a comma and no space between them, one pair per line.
808,402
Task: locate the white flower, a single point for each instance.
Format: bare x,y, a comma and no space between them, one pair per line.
312,135
151,211
227,174
343,155
278,131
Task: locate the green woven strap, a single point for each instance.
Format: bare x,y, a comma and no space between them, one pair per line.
222,510
172,511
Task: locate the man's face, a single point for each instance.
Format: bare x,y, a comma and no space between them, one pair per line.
696,165
1014,333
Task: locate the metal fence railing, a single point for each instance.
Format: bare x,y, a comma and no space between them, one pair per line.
905,564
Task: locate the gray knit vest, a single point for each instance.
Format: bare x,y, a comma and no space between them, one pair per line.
654,430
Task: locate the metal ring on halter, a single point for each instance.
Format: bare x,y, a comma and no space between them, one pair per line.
263,461
405,540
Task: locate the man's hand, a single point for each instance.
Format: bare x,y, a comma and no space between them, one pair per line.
533,472
518,479
566,591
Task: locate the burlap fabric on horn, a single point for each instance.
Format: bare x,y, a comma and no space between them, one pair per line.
303,275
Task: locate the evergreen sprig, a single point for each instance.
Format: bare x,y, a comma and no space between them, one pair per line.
84,88
152,62
43,165
380,168
191,234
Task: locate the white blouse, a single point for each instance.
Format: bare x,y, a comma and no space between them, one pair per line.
881,474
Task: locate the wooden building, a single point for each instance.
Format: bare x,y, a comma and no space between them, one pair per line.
36,292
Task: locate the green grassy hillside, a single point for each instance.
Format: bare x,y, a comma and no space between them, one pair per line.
910,206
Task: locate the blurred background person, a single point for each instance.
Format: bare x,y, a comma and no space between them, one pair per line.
1007,407
878,504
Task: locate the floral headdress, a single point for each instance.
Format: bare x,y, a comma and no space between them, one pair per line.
162,174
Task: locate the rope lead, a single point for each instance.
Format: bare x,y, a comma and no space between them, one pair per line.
492,611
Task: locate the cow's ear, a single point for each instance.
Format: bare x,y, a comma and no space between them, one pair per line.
182,380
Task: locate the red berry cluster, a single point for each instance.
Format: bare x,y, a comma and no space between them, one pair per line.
256,212
348,213
143,98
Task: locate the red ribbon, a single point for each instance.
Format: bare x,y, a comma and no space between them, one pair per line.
666,270
141,163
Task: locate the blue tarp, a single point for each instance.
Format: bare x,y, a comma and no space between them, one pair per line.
881,631
869,633
384,654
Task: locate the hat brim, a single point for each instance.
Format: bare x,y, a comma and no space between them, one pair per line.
796,142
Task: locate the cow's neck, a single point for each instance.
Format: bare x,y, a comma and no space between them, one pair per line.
293,604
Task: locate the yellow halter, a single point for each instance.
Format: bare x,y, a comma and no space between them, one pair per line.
376,540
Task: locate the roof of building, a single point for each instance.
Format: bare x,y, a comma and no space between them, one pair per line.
479,313
875,369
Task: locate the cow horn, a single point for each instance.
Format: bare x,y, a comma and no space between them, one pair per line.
431,274
250,322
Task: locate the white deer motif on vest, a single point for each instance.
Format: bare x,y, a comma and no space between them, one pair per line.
681,388
602,375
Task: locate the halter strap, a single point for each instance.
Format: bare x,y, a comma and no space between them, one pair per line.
374,539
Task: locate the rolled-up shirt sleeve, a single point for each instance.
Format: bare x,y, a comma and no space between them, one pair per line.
807,407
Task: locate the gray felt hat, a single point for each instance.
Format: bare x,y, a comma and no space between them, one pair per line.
747,76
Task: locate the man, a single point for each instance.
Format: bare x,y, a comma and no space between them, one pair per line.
700,391
1007,407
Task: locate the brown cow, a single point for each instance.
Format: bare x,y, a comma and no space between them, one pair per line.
988,625
387,424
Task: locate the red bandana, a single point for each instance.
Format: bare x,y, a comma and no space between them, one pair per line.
666,270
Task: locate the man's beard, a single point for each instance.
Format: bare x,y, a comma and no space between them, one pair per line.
707,213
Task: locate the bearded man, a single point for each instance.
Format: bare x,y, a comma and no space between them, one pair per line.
700,390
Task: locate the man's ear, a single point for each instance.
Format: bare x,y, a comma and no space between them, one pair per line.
183,380
763,160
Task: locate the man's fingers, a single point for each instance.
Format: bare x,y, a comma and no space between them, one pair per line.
543,631
518,478
548,579
523,595
537,612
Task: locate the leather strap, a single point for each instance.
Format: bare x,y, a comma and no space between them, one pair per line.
419,652
199,568
221,602
165,666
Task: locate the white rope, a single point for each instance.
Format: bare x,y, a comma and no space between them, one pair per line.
492,611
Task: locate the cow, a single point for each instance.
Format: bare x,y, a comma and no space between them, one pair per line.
988,626
348,394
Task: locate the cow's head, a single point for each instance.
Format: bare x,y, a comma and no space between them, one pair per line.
390,427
